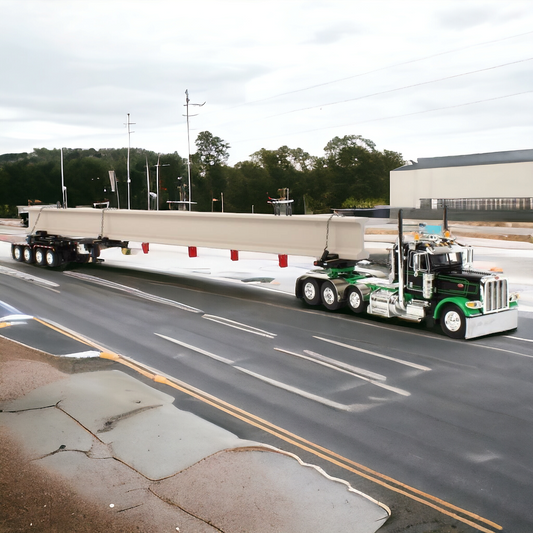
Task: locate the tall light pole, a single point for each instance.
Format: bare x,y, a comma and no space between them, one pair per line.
128,123
189,146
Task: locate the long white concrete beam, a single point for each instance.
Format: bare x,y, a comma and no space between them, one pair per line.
305,235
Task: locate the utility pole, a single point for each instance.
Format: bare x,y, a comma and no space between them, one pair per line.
63,188
189,146
148,182
128,123
157,178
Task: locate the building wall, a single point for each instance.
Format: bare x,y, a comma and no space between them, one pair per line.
476,181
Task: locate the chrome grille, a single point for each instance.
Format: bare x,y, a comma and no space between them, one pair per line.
495,295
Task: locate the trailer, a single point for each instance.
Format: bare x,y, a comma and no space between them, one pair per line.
59,236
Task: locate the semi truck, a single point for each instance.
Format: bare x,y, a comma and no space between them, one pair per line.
431,279
430,276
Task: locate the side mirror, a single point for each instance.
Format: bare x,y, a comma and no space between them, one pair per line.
468,257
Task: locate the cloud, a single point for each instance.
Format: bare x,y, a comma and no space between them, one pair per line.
272,73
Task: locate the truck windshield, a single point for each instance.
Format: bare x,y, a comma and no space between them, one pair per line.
451,259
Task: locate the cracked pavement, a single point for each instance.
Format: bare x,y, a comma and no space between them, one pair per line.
125,459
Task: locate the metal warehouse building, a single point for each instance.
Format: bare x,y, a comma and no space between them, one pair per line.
492,181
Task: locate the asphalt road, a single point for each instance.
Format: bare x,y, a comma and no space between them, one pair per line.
451,419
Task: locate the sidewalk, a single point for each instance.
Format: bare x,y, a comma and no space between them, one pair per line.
98,450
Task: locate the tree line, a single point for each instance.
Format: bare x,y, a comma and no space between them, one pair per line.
351,173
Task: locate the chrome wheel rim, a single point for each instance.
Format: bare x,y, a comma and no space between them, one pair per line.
355,301
452,321
309,291
329,296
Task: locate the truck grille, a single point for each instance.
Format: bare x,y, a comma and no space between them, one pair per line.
495,295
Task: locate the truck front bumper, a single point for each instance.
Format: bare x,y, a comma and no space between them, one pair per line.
477,326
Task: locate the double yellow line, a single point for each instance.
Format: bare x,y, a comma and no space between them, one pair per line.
459,514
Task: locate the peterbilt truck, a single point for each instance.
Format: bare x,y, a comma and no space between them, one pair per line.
431,279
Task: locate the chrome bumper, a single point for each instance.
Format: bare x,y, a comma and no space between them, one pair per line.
477,326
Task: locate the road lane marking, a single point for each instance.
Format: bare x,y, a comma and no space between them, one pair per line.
196,349
504,350
349,368
132,291
388,357
518,338
44,283
344,370
330,456
238,325
265,379
295,390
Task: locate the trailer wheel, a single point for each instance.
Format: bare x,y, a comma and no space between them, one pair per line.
17,253
40,257
28,254
330,296
311,291
355,300
52,259
453,322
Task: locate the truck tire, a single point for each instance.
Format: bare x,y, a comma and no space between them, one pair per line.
52,259
40,257
355,300
330,296
311,291
453,322
17,253
28,254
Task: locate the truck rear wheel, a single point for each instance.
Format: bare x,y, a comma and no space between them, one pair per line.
17,253
355,300
40,257
52,259
311,291
330,296
28,254
453,322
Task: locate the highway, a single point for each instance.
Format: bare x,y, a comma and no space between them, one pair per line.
403,413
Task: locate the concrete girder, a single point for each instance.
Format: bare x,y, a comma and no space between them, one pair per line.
303,235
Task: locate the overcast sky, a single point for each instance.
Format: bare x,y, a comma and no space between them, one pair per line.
423,77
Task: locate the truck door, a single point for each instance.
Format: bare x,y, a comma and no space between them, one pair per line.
418,265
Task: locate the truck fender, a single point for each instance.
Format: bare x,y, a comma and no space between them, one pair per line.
459,302
340,285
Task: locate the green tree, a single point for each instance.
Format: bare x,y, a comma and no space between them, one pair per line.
209,162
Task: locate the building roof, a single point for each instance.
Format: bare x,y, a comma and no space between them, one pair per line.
492,158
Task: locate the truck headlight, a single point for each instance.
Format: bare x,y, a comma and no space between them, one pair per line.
513,297
474,305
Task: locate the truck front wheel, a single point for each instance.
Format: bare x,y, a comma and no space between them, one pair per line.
311,291
453,322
